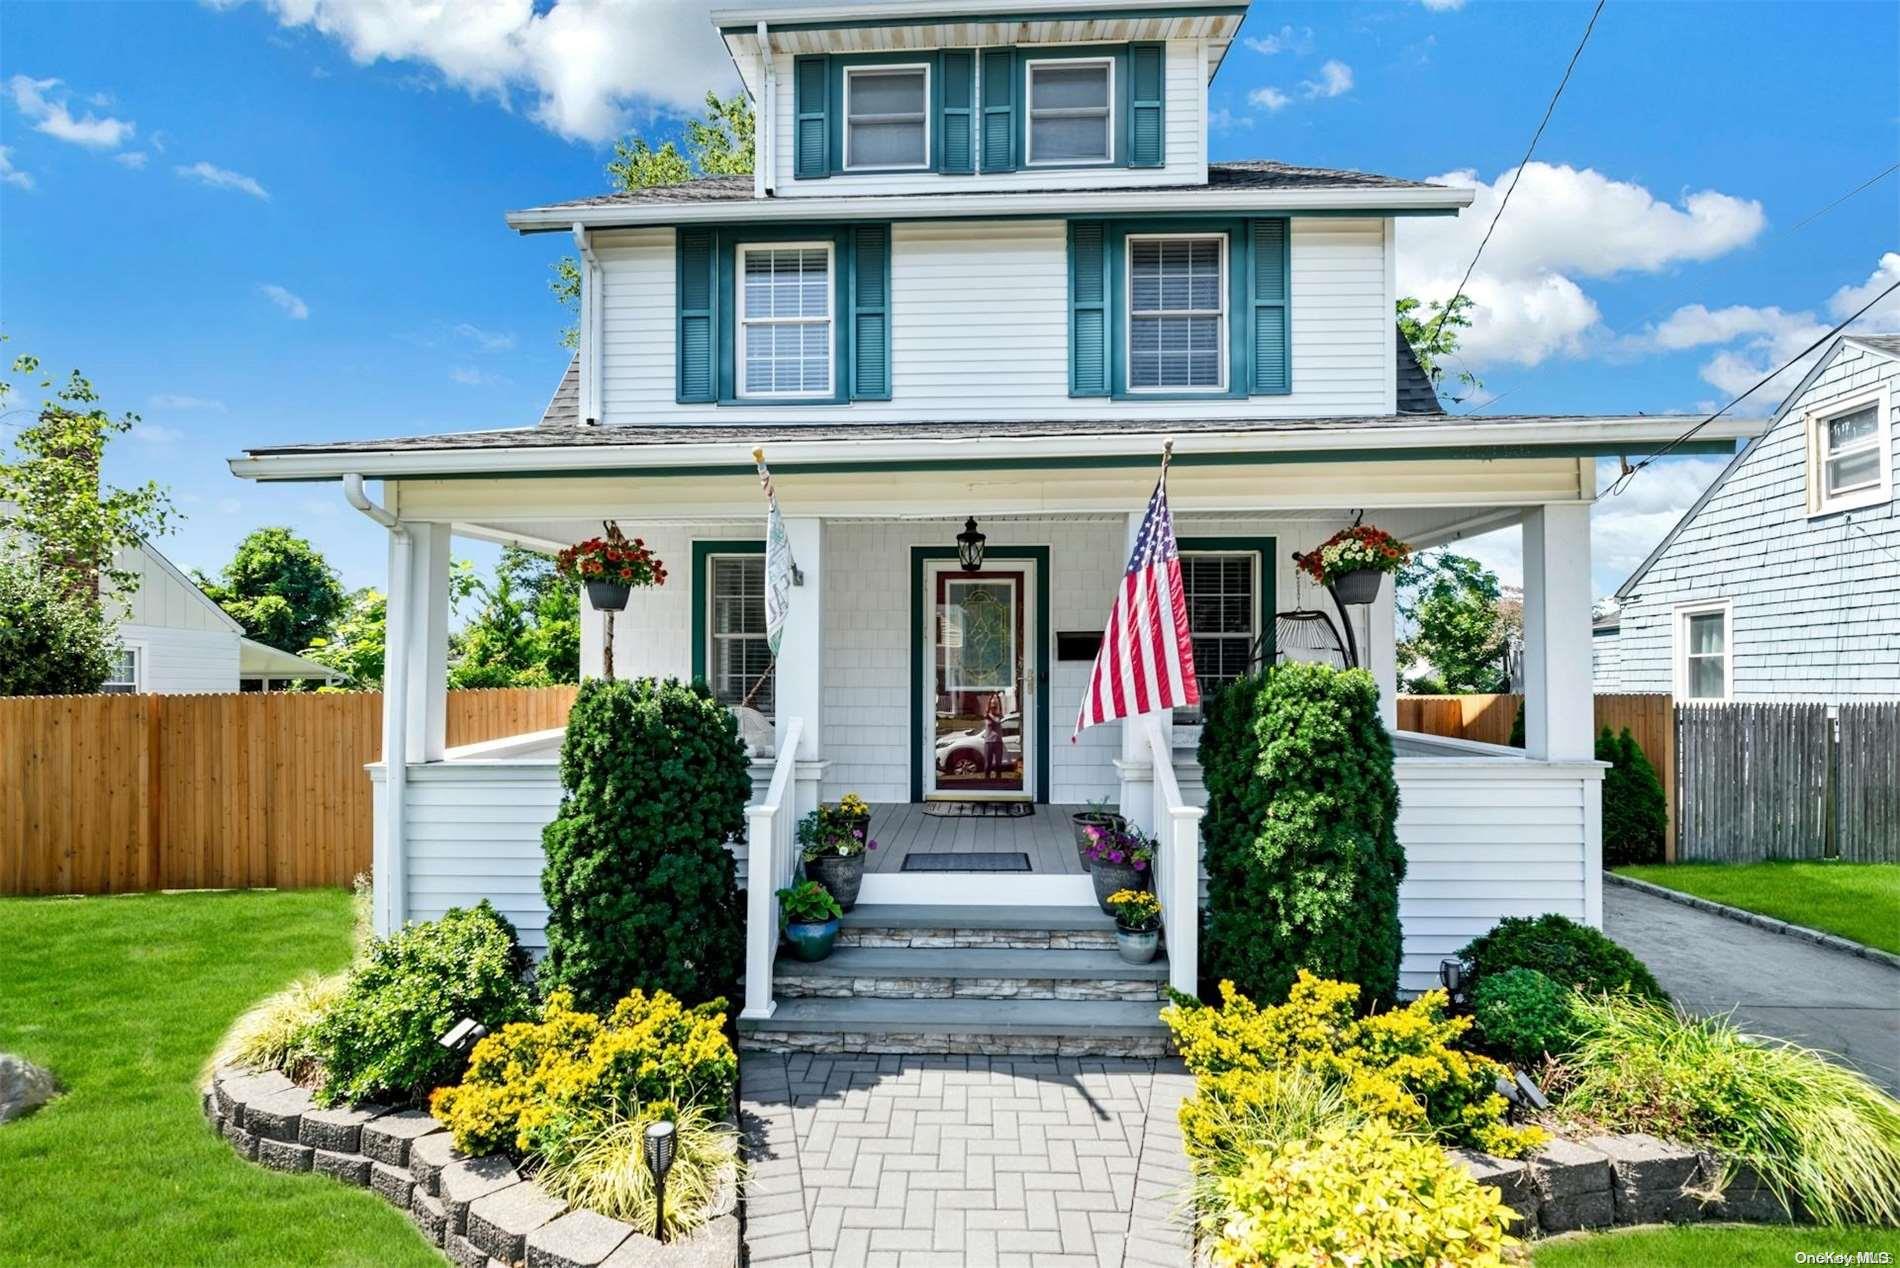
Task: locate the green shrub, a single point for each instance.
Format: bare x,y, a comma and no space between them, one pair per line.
640,888
1524,1015
1517,726
1363,1195
597,1163
1303,858
52,642
1814,1132
1574,955
379,1040
528,1081
1635,811
280,1032
1232,1119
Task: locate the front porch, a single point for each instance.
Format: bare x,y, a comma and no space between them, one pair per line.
1042,837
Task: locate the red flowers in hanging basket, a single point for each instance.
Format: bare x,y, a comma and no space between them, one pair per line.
614,560
1353,550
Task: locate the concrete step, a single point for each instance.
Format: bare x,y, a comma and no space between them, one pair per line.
1013,1027
1068,928
971,973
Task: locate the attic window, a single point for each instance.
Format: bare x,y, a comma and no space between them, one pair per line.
1071,111
1849,462
887,117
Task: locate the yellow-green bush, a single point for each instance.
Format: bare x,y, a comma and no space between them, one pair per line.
597,1162
1400,1065
529,1076
279,1032
1362,1195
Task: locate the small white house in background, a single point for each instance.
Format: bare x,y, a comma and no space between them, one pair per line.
1782,582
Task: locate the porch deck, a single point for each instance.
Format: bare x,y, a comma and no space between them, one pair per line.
1044,836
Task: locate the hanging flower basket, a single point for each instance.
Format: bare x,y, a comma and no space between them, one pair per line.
608,596
610,568
1354,560
1361,585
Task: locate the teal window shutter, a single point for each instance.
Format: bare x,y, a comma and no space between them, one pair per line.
999,110
871,313
698,325
956,80
1267,275
1088,308
811,128
1147,116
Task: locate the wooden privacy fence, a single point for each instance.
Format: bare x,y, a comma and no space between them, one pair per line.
115,794
1754,782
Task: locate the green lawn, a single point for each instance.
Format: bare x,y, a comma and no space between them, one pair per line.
1860,901
1709,1246
123,998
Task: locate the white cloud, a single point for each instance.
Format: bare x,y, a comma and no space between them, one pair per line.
174,400
1221,119
44,103
11,175
469,376
153,434
585,65
1268,98
486,340
215,177
1564,224
1335,80
1285,40
1443,6
293,307
1848,300
131,158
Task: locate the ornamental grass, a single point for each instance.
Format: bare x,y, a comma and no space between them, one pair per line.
595,1162
279,1033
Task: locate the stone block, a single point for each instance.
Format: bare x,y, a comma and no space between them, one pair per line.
283,1155
235,1088
338,1130
428,1155
278,1115
714,1245
387,1139
1573,1183
393,1184
242,1141
349,1168
1744,1197
461,1184
429,1215
579,1239
1512,1179
464,1252
1648,1178
500,1223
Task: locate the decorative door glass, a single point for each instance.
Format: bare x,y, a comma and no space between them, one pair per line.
977,654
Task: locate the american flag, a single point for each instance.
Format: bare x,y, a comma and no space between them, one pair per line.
1146,661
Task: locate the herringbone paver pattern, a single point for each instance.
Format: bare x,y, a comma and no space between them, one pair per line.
904,1160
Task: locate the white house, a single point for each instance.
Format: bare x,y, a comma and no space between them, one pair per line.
1782,582
982,270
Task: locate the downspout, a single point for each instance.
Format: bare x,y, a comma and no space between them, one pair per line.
765,122
387,867
591,301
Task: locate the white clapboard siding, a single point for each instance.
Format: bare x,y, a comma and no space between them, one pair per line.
1184,150
979,329
176,661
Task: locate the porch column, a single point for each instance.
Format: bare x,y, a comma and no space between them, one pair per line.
798,684
1559,713
428,644
387,900
1380,651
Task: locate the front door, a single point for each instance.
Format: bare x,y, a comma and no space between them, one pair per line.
979,689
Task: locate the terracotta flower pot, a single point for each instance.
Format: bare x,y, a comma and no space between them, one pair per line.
608,596
840,876
1361,585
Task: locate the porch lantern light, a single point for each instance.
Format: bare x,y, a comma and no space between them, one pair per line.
1451,975
658,1145
970,546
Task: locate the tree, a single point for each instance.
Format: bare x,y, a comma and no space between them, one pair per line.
280,589
718,144
355,647
54,641
1435,336
527,631
1635,809
1459,627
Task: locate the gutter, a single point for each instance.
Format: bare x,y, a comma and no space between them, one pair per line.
592,307
388,867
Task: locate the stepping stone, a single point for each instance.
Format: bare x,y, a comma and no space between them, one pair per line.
579,1239
387,1139
500,1223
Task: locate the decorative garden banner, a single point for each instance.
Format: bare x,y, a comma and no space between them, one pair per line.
778,561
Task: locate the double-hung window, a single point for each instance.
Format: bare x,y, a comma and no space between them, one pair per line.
1704,667
1071,110
785,320
886,117
1177,313
739,657
1223,606
124,676
1849,454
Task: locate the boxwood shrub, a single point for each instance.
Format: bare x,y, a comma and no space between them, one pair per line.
1561,949
1523,1015
1635,810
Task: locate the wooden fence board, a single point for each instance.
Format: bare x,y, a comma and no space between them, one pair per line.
118,793
1754,781
1867,783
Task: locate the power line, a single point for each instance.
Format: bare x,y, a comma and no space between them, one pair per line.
1875,179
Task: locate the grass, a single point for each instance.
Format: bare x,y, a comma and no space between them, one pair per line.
123,999
1699,1246
1858,901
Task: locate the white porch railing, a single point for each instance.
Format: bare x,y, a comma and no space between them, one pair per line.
1177,864
771,865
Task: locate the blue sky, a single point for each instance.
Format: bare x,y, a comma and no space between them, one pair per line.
281,221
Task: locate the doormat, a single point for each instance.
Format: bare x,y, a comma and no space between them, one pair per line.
979,809
978,861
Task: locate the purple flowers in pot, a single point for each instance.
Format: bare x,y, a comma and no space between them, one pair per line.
1118,847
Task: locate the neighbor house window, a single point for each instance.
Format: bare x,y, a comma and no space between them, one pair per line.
739,657
785,320
1849,454
1704,664
886,117
1072,111
1177,313
124,677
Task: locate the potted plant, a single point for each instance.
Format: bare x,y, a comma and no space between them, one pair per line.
1119,858
1137,924
610,567
1098,815
810,916
1352,561
833,841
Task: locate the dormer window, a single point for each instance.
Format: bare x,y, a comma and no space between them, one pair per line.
1071,111
887,117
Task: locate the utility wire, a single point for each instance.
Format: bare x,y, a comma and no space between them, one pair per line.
1875,179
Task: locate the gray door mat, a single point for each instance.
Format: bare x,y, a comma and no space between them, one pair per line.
974,861
979,809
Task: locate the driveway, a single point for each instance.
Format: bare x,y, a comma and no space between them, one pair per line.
1776,985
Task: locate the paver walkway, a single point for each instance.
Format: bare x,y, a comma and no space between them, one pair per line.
903,1160
1776,985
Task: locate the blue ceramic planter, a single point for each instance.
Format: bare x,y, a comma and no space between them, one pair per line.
811,941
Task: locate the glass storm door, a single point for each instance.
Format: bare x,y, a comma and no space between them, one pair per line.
979,690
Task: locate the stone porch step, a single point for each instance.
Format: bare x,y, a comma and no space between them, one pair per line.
971,973
921,925
1012,1027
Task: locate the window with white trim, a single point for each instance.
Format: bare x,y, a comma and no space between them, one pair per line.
886,117
123,679
1071,110
1177,313
1850,453
1704,664
739,659
1222,591
785,294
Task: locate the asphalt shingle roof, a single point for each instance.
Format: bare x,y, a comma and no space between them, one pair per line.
1416,393
1889,344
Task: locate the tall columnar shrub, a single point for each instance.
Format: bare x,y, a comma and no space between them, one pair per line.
1635,811
641,891
1303,858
